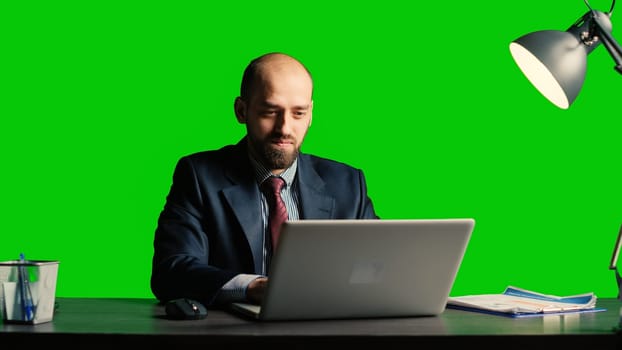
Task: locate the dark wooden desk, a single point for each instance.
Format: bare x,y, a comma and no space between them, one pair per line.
88,323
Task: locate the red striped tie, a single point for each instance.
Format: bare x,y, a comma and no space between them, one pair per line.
277,211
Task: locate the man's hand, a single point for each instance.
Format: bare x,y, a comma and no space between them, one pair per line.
256,290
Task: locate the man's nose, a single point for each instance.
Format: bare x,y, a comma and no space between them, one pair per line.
283,122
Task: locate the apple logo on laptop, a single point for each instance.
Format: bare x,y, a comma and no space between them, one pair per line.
367,272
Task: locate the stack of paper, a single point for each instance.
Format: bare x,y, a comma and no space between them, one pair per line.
520,302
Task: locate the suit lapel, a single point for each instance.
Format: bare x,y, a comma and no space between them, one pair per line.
315,202
243,198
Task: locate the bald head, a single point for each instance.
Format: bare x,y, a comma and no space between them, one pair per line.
261,70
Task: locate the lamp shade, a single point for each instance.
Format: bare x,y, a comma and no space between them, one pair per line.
554,62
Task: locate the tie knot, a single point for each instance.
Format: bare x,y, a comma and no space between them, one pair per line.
274,183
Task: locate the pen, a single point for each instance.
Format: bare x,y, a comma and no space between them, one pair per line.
24,288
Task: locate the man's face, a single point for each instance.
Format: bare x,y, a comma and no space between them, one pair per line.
278,116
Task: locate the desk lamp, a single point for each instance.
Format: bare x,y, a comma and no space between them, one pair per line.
555,61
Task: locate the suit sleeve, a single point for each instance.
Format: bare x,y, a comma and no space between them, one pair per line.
180,265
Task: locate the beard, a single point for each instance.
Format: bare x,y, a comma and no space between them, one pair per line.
271,157
276,159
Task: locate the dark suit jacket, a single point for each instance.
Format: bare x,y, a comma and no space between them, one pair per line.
210,228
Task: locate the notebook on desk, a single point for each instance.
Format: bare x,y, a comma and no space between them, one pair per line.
338,269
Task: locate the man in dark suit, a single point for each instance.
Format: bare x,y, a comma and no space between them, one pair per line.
212,242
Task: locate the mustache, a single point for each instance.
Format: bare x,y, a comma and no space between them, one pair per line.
281,137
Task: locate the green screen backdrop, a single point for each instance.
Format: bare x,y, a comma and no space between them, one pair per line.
100,99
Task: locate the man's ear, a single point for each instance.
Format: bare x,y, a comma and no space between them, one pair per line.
239,107
311,112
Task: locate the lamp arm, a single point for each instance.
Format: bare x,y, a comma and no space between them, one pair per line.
610,44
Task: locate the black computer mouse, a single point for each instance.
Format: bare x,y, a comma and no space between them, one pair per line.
185,309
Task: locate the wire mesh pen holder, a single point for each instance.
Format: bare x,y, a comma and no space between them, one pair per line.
28,290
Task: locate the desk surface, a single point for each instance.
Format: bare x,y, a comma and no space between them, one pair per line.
94,321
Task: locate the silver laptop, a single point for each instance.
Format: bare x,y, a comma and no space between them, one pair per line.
338,269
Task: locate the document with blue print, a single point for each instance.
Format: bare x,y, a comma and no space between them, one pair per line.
518,302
